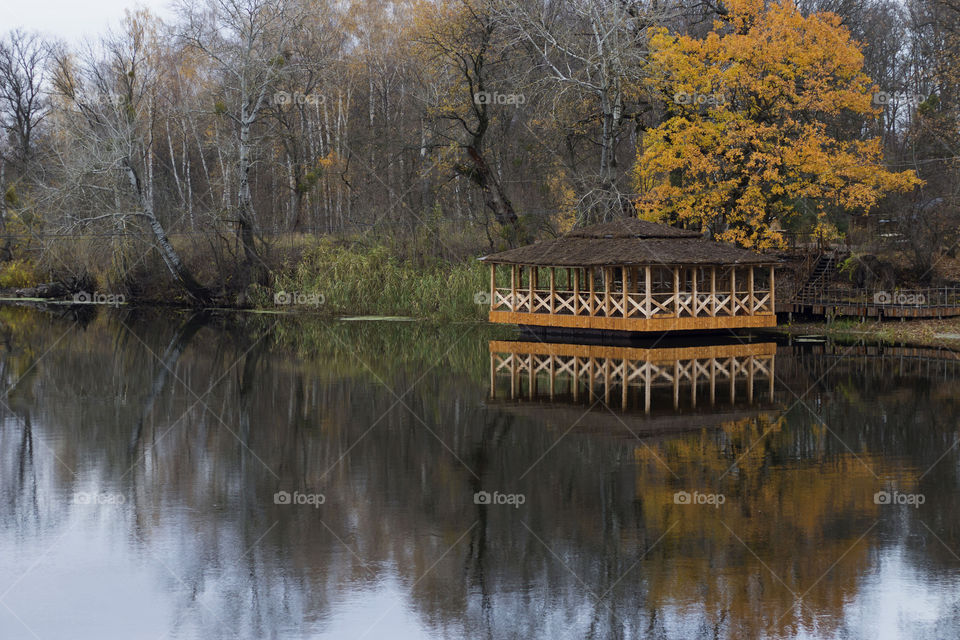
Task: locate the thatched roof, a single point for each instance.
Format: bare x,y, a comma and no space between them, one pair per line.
627,242
631,228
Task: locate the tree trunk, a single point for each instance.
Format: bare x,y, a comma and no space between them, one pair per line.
495,198
245,211
5,252
170,257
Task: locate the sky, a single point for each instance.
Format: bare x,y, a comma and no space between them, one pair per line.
72,20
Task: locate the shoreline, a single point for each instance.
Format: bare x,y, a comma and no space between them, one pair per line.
920,332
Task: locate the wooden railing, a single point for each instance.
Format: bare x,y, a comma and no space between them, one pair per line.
633,305
940,297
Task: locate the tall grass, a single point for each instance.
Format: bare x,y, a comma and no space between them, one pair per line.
375,281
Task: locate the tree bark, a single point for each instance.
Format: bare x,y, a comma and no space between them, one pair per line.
246,216
168,253
494,196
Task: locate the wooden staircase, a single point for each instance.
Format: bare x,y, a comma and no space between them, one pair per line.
819,276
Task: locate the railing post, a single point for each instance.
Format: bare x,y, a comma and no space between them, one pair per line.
751,298
513,288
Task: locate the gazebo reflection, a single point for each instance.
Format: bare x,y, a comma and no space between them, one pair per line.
662,388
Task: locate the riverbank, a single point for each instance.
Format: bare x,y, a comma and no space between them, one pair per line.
925,333
335,279
318,277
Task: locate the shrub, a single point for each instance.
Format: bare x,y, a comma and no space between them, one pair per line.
18,273
374,281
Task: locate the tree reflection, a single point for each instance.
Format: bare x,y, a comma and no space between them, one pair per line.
395,426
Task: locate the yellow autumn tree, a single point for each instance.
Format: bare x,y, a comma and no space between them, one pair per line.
753,127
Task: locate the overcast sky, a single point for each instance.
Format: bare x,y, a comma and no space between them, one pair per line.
72,20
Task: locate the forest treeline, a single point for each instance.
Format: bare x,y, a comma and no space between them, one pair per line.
218,154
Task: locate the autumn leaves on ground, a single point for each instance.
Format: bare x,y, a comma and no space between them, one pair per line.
359,159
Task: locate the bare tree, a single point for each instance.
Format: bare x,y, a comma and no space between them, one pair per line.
110,104
463,37
593,52
247,42
23,105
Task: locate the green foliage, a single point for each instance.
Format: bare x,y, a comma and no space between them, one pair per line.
18,273
375,281
849,265
10,196
381,349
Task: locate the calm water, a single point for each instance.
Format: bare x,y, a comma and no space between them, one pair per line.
225,477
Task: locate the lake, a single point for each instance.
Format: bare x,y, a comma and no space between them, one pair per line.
168,475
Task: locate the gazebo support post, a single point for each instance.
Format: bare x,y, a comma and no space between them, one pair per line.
713,290
534,272
553,290
493,285
576,291
647,294
676,292
773,303
693,289
626,291
607,286
593,302
733,291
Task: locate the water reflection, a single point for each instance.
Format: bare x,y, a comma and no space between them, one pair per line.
632,390
196,422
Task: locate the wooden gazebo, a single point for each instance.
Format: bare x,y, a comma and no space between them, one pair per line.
632,275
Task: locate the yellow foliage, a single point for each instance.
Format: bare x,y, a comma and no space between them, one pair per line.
747,137
772,522
18,273
564,200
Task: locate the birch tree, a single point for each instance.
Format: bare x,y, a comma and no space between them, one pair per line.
247,43
593,54
107,130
